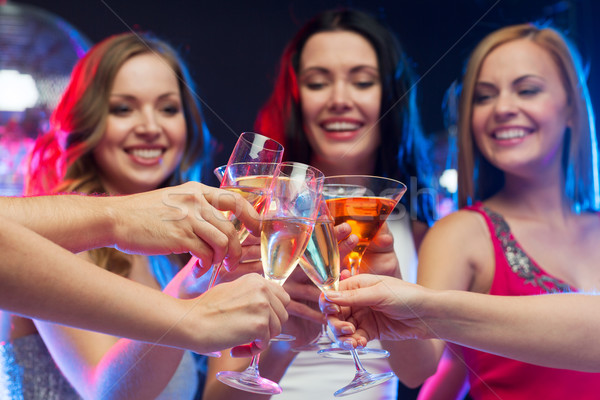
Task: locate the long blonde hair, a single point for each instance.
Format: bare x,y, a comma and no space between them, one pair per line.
477,178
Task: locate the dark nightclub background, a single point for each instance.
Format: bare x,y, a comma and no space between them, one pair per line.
232,47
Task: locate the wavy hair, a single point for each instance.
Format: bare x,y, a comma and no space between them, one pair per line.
62,159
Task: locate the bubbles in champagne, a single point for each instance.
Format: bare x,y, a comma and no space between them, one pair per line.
283,240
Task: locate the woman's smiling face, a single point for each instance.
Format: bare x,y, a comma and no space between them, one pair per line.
145,133
520,108
340,95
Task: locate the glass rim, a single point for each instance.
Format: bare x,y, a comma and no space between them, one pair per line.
317,172
219,171
384,178
268,139
247,162
225,166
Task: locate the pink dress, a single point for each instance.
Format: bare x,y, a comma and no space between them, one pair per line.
494,377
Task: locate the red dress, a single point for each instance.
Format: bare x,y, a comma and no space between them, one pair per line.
494,377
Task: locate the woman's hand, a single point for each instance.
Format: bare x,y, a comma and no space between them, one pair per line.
371,307
181,219
305,317
249,262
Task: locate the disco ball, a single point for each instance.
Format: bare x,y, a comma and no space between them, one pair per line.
37,53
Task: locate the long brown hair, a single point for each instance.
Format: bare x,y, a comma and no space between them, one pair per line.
62,159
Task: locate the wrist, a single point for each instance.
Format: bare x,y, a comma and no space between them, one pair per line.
185,328
112,231
434,311
445,313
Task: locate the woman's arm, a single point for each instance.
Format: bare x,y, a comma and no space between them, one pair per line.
552,330
304,323
450,382
101,366
180,219
44,281
555,330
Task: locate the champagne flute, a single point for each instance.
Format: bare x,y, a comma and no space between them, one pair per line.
250,147
364,202
254,147
251,180
321,262
289,217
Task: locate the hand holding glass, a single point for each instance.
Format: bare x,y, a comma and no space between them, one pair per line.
251,181
364,202
321,263
288,220
250,147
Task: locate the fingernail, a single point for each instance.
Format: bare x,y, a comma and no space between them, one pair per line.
347,344
197,269
348,330
332,309
332,295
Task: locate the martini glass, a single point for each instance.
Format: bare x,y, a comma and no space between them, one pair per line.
364,202
289,217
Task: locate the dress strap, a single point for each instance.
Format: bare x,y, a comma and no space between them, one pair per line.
518,260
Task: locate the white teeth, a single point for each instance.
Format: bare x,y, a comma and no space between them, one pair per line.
510,134
341,126
146,153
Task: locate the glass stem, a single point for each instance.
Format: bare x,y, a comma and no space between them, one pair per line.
215,273
253,367
354,266
357,364
324,330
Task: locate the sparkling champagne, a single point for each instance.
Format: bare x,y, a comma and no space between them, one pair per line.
255,181
321,259
283,240
253,189
256,197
